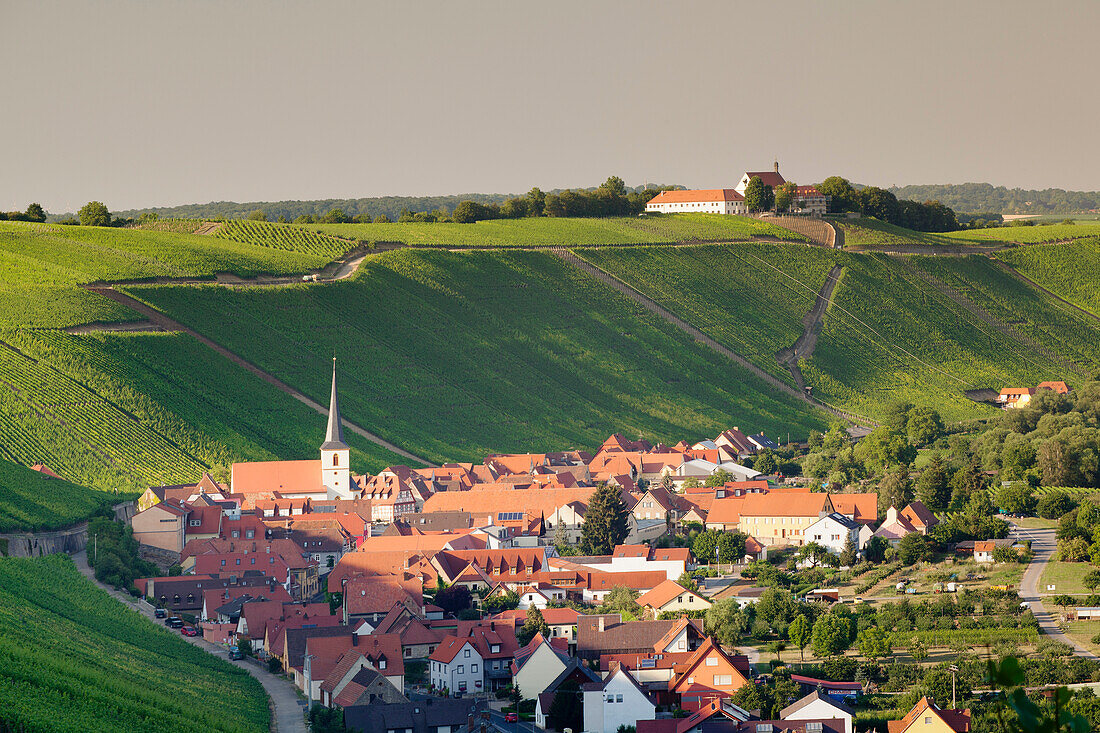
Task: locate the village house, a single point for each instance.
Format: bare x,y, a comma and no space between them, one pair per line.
819,706
834,531
671,596
433,715
926,717
618,700
607,634
782,518
709,675
915,517
539,663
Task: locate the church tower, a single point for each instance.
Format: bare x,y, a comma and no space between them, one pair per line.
335,454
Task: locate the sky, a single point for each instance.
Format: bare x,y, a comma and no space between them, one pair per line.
141,104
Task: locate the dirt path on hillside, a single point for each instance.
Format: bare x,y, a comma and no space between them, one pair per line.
164,322
208,227
803,347
288,714
695,333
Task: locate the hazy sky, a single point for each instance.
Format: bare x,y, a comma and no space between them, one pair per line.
158,103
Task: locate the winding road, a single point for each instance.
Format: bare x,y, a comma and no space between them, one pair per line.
288,708
1043,546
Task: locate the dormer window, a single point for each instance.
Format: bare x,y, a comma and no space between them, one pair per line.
381,664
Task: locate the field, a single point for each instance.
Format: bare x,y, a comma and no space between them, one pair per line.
41,266
73,659
872,233
119,412
453,355
1037,315
544,232
751,297
1070,270
1065,577
285,237
31,501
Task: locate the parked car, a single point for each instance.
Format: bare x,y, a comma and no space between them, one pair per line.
159,613
189,631
511,718
173,622
235,654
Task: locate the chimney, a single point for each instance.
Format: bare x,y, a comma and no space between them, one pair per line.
354,639
599,624
777,166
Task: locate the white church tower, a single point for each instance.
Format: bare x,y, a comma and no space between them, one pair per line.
335,454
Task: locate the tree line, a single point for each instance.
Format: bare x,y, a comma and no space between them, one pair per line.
979,197
930,216
34,213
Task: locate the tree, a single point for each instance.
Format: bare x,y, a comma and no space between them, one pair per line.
932,486
705,546
725,621
719,478
94,214
605,523
1091,580
894,490
731,546
1054,505
622,600
913,548
567,710
468,211
535,624
831,635
1016,498
381,219
924,425
257,215
453,599
812,551
756,195
849,554
784,196
873,643
35,212
918,651
799,633
765,462
840,194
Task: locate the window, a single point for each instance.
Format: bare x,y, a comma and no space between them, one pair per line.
928,721
494,648
249,533
196,522
253,560
467,654
335,459
712,661
461,669
236,533
813,727
381,664
473,668
618,698
223,563
723,679
238,561
691,680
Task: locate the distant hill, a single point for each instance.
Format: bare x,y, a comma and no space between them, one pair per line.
984,197
391,206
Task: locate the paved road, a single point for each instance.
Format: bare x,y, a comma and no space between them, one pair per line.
1043,545
289,714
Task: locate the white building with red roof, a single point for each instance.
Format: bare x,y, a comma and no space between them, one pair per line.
769,178
700,201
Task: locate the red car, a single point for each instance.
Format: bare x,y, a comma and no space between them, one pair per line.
511,718
189,631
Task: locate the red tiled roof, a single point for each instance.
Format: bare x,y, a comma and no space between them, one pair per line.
787,504
288,477
770,178
1059,387
726,510
657,597
863,508
709,195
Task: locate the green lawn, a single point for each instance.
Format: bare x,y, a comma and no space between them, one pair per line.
73,659
1064,576
1070,270
543,232
454,355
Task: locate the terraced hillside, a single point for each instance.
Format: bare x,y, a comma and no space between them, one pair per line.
1070,270
70,655
31,501
556,232
283,236
888,334
453,355
874,234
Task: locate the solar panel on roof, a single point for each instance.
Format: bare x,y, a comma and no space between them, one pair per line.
647,664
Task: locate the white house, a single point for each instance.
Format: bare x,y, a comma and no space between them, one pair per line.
707,201
537,665
457,666
769,178
833,531
618,700
818,706
671,596
700,468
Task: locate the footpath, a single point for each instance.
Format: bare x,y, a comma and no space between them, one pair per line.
289,710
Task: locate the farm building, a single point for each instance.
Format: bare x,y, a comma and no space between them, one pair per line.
709,201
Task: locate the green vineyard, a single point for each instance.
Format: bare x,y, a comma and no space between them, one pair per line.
1070,270
542,232
285,237
31,501
70,655
454,355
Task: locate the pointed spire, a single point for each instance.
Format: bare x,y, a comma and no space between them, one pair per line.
334,435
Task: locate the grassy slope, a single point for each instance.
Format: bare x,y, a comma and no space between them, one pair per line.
1031,311
874,233
1070,270
455,355
32,501
120,411
731,292
72,659
1025,235
566,232
42,264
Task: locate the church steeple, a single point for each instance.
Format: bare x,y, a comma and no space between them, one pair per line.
334,435
335,453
